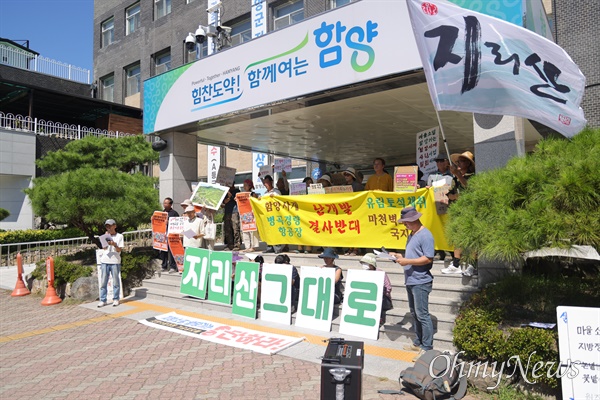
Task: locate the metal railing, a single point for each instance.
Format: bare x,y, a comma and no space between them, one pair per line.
56,129
33,252
29,61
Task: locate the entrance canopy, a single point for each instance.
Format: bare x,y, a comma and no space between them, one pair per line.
342,87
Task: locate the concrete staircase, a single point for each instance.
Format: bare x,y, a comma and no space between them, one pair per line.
449,292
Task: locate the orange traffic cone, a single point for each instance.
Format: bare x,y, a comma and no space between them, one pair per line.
51,297
20,288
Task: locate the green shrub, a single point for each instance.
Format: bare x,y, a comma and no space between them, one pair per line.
64,271
38,235
534,346
487,326
3,214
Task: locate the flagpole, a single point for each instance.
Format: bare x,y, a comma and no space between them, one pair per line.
443,135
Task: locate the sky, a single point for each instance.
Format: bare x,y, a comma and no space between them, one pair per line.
59,29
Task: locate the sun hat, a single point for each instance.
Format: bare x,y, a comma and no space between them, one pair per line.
325,178
249,183
409,214
190,208
328,253
369,259
441,157
186,202
467,154
110,222
350,171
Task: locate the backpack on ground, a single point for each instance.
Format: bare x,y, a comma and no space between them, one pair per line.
443,382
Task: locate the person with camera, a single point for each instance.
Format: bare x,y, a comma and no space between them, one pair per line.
110,262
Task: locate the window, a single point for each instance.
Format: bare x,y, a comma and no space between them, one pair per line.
288,14
108,32
192,55
132,18
161,8
241,32
162,62
108,88
133,80
338,3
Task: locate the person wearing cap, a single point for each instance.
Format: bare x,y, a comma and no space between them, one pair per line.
417,263
192,224
381,180
443,172
463,169
350,177
110,263
369,263
325,180
186,203
166,257
250,239
272,191
329,258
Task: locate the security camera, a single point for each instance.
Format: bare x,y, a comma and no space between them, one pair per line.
159,145
190,42
225,29
200,35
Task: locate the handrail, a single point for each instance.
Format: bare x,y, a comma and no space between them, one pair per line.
35,251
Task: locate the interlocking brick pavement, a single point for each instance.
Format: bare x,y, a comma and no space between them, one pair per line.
113,357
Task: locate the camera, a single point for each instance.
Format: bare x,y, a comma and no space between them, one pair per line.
200,35
224,29
190,42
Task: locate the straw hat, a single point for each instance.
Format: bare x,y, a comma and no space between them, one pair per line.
351,171
467,154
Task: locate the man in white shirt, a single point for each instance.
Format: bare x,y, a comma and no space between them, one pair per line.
110,262
192,228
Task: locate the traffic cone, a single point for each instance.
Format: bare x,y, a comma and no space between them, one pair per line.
20,288
51,297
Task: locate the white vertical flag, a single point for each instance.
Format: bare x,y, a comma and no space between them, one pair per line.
477,63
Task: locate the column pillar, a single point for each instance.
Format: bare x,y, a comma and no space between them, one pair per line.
497,139
178,167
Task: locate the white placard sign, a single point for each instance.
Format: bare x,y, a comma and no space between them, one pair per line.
226,176
315,307
175,224
264,171
276,280
316,188
297,188
579,351
428,150
283,164
362,303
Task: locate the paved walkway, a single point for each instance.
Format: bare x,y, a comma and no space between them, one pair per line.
74,352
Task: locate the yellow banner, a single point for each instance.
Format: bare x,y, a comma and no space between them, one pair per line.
367,219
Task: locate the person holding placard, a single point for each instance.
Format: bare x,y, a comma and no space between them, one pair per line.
250,239
329,258
417,263
192,229
369,263
166,257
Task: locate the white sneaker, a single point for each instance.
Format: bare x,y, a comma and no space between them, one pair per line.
470,271
101,304
451,269
116,303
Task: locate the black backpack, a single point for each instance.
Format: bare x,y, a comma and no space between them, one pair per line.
446,382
